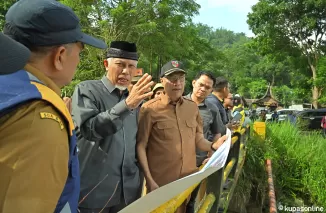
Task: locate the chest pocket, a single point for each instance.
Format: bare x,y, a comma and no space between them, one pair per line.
207,122
167,129
191,127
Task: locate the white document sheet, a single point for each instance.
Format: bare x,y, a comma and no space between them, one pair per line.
218,159
165,193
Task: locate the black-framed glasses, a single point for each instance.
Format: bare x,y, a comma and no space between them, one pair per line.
175,78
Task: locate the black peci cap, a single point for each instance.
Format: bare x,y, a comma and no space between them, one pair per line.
13,55
122,49
46,23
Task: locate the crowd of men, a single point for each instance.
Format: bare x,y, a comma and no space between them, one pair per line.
92,154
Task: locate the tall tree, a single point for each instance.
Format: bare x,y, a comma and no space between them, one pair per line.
162,30
291,27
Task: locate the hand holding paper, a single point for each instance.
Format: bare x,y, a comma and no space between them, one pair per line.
219,142
219,157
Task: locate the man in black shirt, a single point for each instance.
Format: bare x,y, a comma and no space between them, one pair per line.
213,126
228,106
221,91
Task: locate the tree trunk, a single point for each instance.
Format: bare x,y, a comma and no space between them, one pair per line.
315,90
315,96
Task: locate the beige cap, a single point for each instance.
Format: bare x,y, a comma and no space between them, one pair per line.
157,86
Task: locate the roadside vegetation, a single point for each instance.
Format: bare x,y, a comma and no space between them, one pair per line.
298,161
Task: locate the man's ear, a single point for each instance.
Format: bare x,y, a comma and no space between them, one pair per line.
106,63
161,80
193,83
60,57
225,90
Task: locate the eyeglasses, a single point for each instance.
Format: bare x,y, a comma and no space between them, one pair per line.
175,78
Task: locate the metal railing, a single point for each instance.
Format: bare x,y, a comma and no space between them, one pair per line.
217,189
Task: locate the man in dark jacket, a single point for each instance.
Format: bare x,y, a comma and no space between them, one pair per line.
228,106
221,91
106,113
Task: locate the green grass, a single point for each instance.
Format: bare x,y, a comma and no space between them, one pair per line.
299,166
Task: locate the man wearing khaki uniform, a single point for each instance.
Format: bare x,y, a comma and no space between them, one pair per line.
169,130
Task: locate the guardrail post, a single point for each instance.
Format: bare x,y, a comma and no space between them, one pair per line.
234,153
214,186
246,136
231,170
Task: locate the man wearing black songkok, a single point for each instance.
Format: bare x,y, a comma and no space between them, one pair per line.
105,114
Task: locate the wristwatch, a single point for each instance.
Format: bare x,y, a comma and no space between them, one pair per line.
212,148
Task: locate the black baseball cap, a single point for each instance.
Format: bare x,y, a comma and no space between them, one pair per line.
13,55
172,67
46,23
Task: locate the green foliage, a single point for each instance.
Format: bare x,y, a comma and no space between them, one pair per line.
4,6
292,28
287,48
321,79
284,94
163,30
302,161
253,174
257,88
298,166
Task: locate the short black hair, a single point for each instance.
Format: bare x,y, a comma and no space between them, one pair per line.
220,84
208,74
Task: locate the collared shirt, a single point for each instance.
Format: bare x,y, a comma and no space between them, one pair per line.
212,125
171,132
106,131
34,155
219,104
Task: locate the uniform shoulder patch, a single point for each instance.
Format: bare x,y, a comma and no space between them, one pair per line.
48,115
